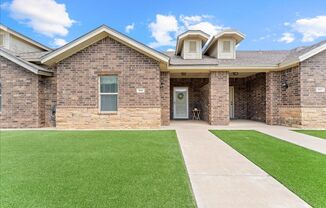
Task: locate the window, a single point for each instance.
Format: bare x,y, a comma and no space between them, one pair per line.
192,47
109,93
226,46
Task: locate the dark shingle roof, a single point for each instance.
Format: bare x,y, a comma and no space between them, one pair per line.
243,58
249,58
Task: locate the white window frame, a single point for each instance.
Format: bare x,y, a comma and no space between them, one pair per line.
230,45
107,93
226,55
190,42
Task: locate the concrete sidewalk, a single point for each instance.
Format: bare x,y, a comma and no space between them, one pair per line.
221,177
280,132
310,142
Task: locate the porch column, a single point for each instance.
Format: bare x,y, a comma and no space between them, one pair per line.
218,107
165,98
273,97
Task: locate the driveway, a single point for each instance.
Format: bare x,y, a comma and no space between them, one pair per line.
221,177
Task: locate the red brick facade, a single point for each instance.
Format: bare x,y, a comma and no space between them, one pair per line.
289,97
250,97
218,106
78,88
26,97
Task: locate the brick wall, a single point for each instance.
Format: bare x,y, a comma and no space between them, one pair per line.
165,98
77,86
194,93
219,98
250,97
204,102
20,104
313,104
26,97
240,97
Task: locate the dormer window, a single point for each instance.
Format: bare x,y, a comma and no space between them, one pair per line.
226,46
192,46
223,45
226,49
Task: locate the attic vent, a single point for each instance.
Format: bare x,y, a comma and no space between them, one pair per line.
192,47
226,46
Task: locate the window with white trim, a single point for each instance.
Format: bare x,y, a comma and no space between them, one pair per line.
109,93
192,46
226,46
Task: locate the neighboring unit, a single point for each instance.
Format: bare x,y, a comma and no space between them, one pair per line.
105,79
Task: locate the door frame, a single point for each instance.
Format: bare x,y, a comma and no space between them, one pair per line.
174,102
231,89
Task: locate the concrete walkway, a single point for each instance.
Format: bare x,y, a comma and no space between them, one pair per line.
310,142
280,132
221,177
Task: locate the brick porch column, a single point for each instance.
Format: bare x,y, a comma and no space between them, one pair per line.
165,98
273,97
218,108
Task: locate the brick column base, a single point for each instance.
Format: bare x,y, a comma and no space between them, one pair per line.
219,98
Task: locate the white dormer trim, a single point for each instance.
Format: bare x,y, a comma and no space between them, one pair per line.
226,33
186,52
190,34
221,53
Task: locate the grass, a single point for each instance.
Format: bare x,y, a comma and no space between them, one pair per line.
315,133
301,170
93,169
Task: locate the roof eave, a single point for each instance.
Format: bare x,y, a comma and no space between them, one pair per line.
96,35
29,66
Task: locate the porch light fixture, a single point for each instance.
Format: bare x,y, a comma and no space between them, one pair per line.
285,85
162,85
235,73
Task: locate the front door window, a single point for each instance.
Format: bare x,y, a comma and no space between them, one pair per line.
180,103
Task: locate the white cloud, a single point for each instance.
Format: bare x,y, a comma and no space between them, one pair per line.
46,17
130,27
59,42
199,22
287,38
166,27
170,50
310,28
162,30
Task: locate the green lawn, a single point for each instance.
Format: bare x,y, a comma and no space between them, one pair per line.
93,169
315,133
301,170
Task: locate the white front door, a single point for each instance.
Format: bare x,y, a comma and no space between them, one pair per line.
180,103
231,100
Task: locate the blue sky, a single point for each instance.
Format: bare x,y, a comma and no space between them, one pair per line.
277,24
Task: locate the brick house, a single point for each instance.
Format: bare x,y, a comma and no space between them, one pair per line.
105,79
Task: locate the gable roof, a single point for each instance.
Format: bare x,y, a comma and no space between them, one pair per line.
238,36
25,64
25,38
272,59
300,54
191,34
96,35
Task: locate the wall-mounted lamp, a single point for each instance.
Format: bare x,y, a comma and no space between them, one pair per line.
162,85
285,85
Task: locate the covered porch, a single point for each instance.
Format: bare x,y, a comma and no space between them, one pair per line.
218,96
